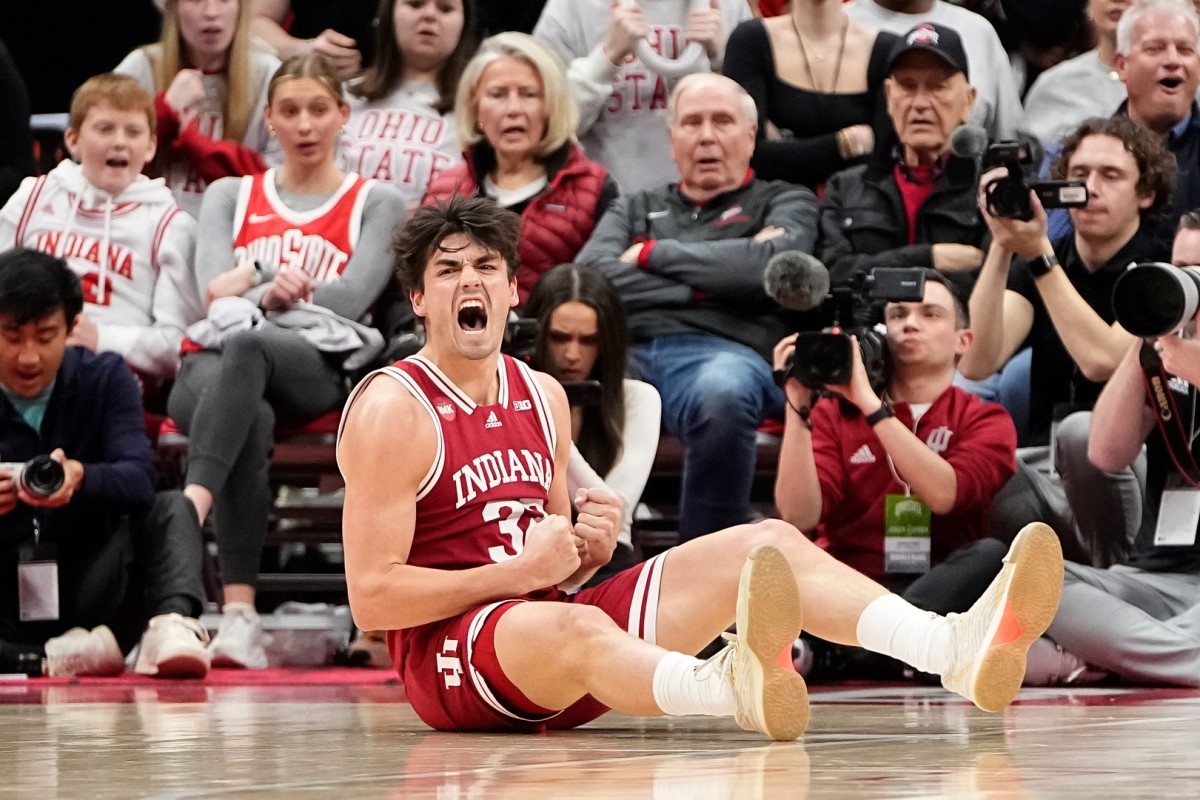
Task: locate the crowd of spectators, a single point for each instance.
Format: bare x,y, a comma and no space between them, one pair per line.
218,244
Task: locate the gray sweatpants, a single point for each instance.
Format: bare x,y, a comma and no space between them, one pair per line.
228,404
1096,514
1144,626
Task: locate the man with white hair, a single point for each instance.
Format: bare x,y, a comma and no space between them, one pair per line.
688,260
615,53
1157,59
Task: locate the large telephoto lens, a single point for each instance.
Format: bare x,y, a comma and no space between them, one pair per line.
1155,299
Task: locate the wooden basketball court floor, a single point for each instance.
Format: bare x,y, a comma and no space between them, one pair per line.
192,740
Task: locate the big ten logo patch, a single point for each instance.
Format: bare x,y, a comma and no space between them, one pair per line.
449,665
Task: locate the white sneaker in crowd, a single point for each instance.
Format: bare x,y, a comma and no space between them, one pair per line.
1047,664
173,646
81,652
991,638
771,695
240,642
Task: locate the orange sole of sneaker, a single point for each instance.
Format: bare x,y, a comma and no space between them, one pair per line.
769,631
1033,595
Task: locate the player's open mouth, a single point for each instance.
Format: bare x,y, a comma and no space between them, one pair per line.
117,163
1170,83
472,316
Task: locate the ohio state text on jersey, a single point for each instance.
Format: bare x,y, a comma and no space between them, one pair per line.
319,241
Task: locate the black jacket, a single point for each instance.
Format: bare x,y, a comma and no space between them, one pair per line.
864,225
702,270
95,416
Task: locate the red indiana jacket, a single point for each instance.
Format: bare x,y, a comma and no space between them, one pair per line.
977,439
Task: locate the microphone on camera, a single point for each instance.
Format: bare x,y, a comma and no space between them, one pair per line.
968,141
796,280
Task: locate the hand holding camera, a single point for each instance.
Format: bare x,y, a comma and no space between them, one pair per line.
798,394
859,390
44,481
1025,237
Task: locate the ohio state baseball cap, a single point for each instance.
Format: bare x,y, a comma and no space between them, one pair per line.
937,39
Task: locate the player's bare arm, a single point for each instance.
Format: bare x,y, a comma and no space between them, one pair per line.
386,449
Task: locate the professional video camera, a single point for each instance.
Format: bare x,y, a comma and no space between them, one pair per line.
1155,299
1009,196
800,282
40,476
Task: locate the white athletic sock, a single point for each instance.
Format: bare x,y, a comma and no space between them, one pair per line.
678,690
896,628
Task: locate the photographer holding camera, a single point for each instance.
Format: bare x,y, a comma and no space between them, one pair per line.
1057,298
83,533
1139,618
895,486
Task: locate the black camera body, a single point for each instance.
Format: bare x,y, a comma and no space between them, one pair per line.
40,476
825,358
1008,197
520,339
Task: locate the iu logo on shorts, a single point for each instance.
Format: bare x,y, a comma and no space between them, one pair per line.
449,664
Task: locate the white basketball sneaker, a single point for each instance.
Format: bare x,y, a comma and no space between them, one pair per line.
991,639
240,642
173,646
81,652
771,695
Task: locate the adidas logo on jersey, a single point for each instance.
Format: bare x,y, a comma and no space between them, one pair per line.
522,405
863,455
493,421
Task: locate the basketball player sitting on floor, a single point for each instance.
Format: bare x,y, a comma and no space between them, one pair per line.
459,543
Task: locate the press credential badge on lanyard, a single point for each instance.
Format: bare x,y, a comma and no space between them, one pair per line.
1179,509
37,581
906,530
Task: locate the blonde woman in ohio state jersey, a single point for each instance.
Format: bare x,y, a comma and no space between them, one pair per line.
302,236
209,85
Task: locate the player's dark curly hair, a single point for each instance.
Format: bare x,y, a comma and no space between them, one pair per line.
479,218
1156,164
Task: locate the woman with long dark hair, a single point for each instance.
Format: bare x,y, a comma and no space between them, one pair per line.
817,80
582,336
401,127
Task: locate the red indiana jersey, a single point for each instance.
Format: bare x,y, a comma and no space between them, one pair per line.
491,476
319,241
